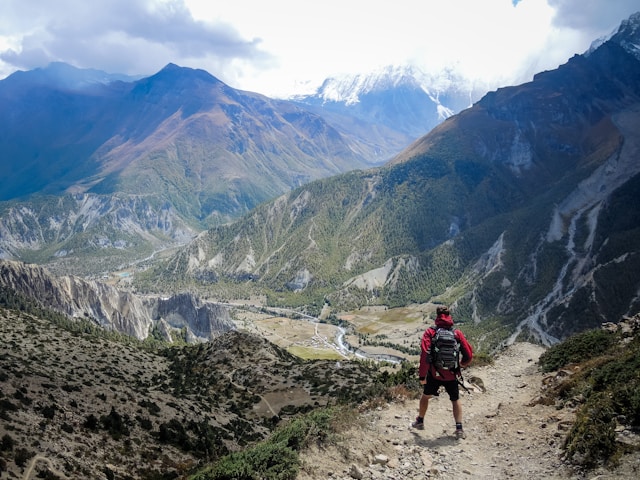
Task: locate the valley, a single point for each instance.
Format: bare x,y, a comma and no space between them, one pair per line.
374,333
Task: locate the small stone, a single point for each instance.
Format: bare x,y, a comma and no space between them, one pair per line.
381,459
356,473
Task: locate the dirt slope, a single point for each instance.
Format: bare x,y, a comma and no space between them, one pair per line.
508,436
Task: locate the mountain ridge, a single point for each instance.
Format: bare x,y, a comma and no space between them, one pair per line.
180,140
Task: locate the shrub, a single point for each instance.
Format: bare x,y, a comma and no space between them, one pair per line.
174,433
49,411
592,439
91,422
296,433
277,457
144,422
578,348
5,407
267,461
67,427
609,386
7,443
115,424
21,457
482,359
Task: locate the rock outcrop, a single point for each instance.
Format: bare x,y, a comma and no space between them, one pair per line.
115,309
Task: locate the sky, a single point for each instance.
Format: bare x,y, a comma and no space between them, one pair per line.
277,47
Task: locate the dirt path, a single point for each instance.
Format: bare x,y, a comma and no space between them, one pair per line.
40,458
507,436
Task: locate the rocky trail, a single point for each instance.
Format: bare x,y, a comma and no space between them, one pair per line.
508,435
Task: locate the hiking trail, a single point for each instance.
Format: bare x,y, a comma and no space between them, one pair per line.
508,435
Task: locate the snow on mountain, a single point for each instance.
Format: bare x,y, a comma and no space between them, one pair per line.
627,34
349,89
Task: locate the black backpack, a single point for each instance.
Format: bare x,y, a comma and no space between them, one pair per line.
445,349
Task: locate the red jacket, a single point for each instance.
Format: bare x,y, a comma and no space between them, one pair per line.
444,321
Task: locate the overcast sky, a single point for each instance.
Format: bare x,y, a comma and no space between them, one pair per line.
270,46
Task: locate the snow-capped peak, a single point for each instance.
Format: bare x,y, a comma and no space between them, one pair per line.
348,89
626,35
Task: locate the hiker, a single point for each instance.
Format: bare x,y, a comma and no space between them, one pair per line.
433,377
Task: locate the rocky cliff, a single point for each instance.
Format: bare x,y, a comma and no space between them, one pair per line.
114,309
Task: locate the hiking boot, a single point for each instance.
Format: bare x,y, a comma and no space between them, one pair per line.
418,424
460,434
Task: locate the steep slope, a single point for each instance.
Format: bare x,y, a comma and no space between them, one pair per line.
87,406
519,210
89,234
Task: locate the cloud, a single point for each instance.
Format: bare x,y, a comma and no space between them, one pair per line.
127,36
593,18
268,46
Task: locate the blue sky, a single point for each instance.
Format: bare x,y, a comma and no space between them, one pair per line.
279,46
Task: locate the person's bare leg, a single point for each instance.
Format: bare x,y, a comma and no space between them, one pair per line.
457,411
424,405
457,415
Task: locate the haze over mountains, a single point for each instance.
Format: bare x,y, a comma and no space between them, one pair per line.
136,165
520,210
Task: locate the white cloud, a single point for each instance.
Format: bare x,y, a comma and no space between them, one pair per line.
268,45
126,36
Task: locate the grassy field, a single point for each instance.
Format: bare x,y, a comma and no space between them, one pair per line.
374,330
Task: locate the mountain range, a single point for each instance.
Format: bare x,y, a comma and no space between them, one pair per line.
100,165
521,211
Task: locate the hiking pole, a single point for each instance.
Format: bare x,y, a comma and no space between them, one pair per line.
460,381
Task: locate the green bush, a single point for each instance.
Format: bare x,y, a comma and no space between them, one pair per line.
277,457
297,433
267,461
592,439
608,386
578,348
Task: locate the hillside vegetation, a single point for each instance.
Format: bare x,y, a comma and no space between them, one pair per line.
95,404
602,370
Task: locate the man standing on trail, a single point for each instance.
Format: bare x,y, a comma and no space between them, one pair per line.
437,371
